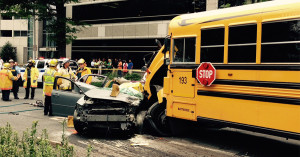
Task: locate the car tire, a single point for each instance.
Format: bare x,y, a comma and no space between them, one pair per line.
80,127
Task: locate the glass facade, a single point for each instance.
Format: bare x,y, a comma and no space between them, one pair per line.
48,44
46,37
30,38
136,10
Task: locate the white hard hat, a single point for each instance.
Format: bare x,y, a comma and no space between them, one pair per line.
65,61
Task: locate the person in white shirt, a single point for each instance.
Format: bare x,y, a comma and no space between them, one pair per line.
1,63
93,63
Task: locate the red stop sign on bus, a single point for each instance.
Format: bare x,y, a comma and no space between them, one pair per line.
206,74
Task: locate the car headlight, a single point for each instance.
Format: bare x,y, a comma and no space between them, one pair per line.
88,100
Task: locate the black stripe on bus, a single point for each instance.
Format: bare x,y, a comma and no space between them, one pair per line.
291,67
265,130
272,99
259,84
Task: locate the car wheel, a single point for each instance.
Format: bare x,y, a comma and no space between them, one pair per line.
80,127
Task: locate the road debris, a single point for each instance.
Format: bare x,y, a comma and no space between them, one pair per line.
139,144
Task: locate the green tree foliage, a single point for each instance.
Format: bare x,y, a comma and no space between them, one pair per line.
8,52
52,11
232,3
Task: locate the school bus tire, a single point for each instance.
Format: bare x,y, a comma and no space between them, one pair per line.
157,118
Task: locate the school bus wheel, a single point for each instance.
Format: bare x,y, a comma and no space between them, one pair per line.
156,116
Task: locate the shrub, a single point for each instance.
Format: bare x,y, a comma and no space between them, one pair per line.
31,145
8,52
133,77
111,75
97,84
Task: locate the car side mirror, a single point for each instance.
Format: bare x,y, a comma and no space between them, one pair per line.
167,61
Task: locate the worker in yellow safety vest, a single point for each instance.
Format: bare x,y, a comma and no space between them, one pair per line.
66,71
30,79
83,70
48,79
6,81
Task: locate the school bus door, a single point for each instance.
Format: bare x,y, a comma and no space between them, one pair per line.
184,52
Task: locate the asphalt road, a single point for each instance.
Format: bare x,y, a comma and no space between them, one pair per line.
203,142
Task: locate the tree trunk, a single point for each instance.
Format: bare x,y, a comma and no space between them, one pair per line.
61,29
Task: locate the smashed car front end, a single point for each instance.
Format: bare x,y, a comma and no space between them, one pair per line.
107,112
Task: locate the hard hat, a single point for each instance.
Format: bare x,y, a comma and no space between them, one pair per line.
65,61
11,60
53,62
31,61
6,65
81,61
115,90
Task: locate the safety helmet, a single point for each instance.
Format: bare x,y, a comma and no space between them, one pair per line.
11,60
31,61
65,61
6,65
81,61
53,62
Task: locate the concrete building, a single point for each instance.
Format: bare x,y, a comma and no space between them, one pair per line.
126,29
15,31
19,32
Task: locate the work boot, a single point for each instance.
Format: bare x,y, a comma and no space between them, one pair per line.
26,98
7,100
17,98
31,98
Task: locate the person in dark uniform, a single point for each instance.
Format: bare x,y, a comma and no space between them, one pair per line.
16,72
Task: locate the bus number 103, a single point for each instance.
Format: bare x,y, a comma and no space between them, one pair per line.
182,80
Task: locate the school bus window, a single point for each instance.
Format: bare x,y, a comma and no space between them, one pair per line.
212,45
242,44
281,42
184,50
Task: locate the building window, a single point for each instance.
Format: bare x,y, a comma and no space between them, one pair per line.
6,33
184,50
47,42
20,33
212,45
20,18
242,44
6,17
281,42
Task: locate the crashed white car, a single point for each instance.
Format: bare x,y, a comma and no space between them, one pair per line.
92,105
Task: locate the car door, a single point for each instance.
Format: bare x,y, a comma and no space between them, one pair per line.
64,101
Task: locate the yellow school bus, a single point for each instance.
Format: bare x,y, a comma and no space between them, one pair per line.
255,50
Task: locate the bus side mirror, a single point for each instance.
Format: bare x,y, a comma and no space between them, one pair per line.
144,68
167,61
167,44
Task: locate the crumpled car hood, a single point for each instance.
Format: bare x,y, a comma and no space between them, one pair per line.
99,93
